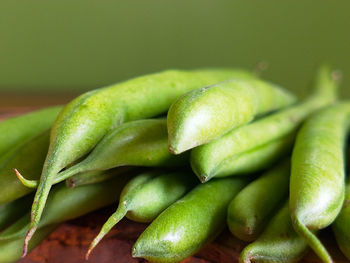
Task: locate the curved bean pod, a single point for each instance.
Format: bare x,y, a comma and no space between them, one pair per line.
190,223
84,121
218,158
146,196
252,208
207,113
17,130
317,173
341,226
29,158
138,143
279,243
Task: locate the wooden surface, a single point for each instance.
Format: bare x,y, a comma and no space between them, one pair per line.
70,241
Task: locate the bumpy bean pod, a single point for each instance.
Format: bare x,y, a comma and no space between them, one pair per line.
317,174
207,113
146,196
84,121
11,250
218,158
17,130
252,208
190,223
139,143
341,226
279,243
29,158
10,212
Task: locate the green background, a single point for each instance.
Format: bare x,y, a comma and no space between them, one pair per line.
76,45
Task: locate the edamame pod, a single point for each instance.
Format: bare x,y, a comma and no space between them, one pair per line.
17,130
341,226
207,113
67,203
218,158
10,212
84,121
317,174
279,243
252,208
11,250
190,223
141,143
146,196
29,158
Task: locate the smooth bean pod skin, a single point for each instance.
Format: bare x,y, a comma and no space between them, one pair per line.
279,243
218,158
83,122
135,143
146,196
10,212
207,113
190,223
17,130
29,158
11,250
252,208
317,175
341,226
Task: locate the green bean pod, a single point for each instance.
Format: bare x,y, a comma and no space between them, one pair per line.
11,250
137,143
219,157
251,209
207,113
84,121
341,226
11,211
17,130
279,243
29,158
317,175
190,223
146,196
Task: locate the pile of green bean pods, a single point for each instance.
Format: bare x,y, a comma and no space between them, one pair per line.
234,152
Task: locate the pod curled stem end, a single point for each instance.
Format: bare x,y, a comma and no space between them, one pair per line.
24,181
27,239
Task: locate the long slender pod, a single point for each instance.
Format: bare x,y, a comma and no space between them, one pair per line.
219,157
341,226
252,208
11,211
17,130
135,143
29,158
146,196
279,243
207,113
317,175
190,223
11,250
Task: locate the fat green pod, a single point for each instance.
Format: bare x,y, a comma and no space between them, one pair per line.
146,196
279,243
29,158
11,211
341,226
317,175
189,224
138,143
252,208
17,130
207,113
83,122
219,157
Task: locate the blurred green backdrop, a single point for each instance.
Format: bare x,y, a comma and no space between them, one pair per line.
76,45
